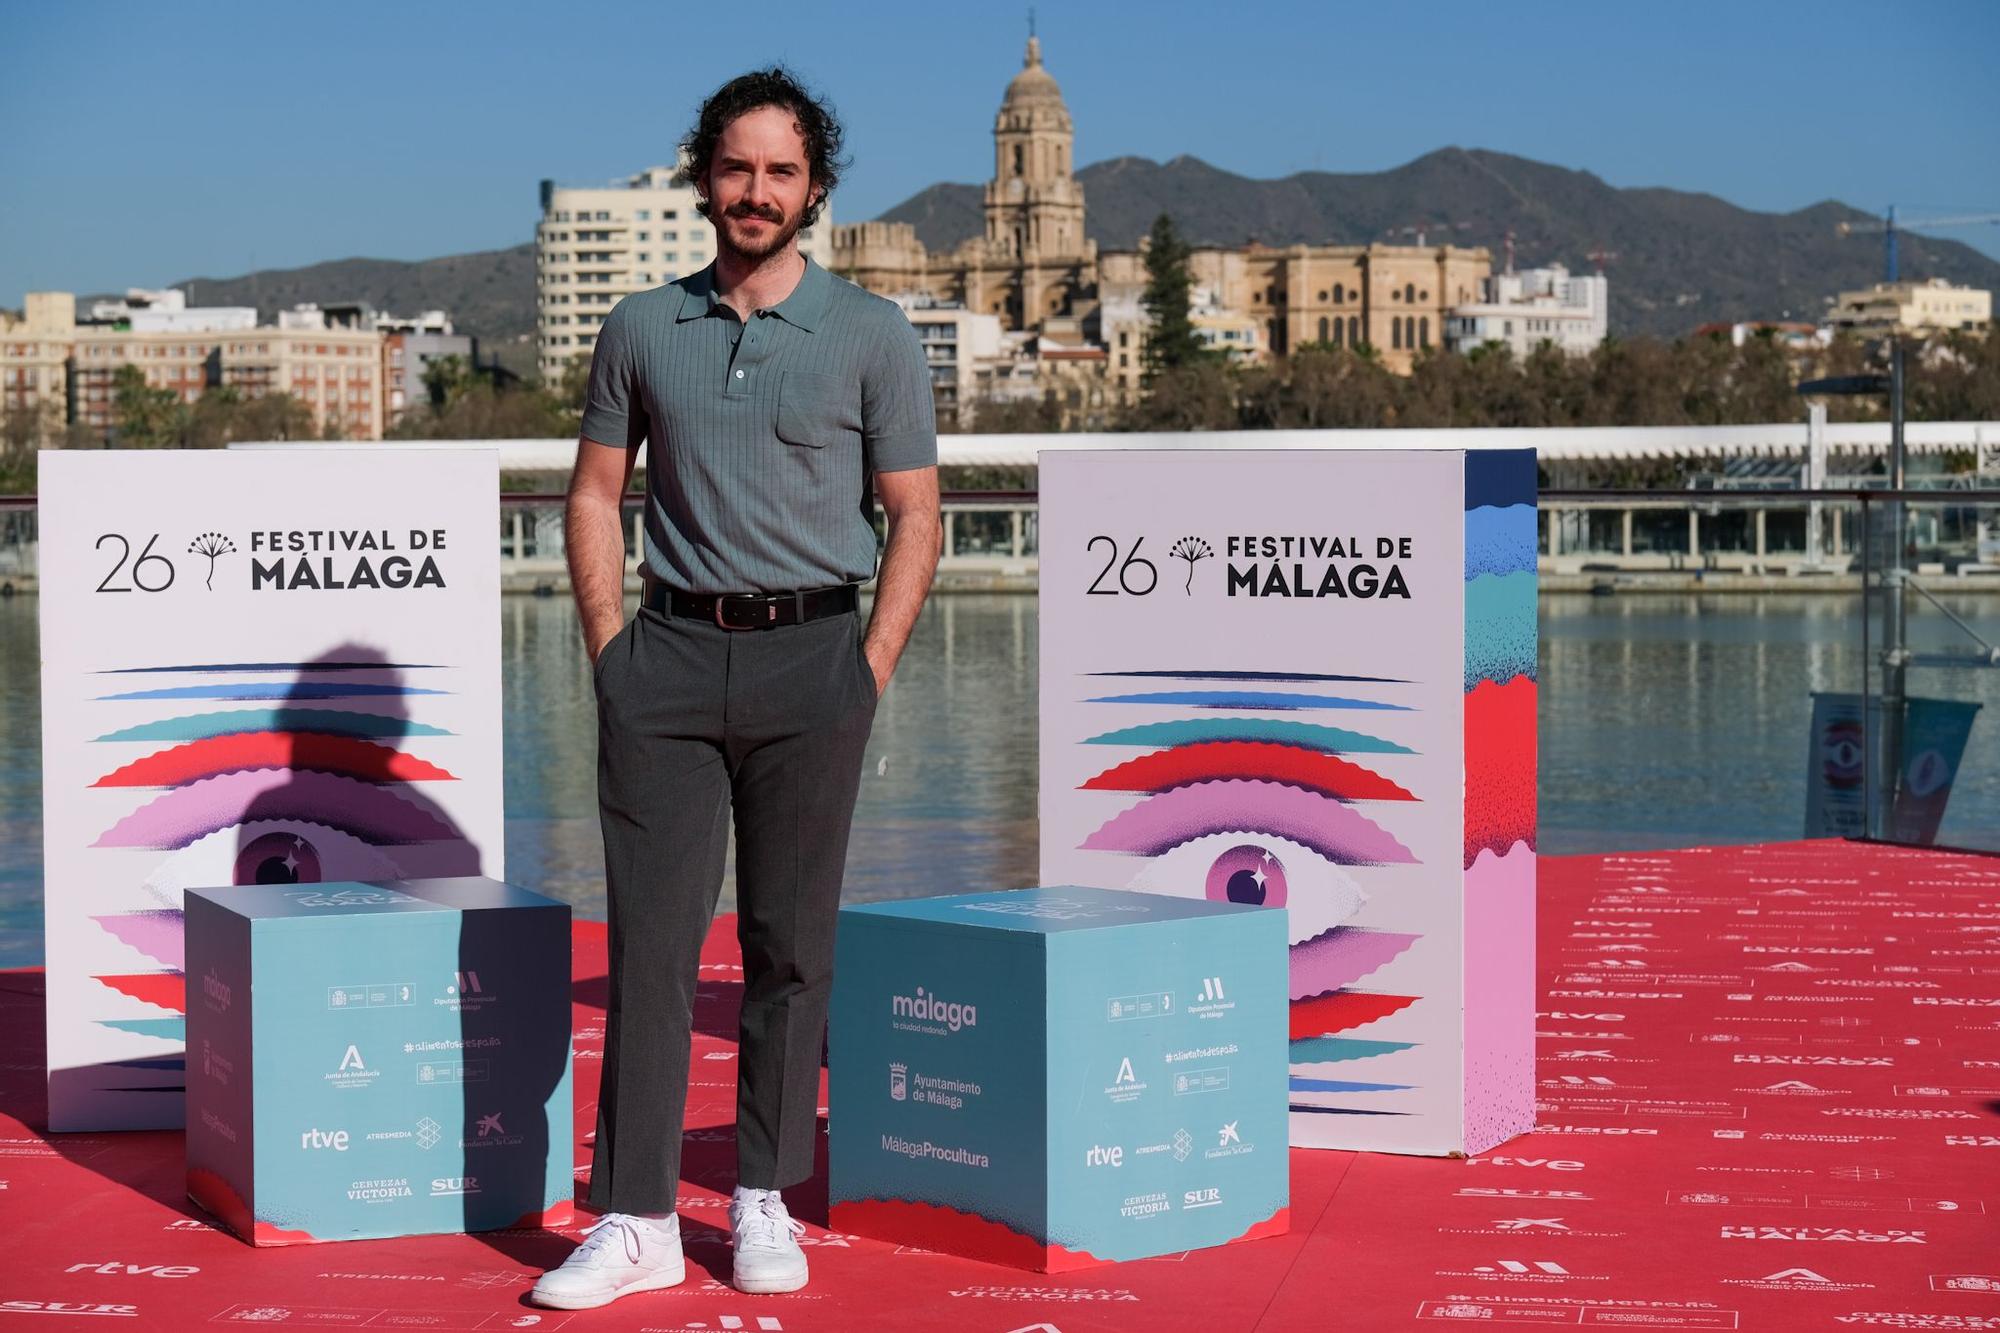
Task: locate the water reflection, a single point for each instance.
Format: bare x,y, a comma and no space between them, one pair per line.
1665,721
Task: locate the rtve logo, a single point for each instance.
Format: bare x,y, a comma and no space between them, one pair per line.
1098,1155
320,1138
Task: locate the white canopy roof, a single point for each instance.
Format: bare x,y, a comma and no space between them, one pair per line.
1636,443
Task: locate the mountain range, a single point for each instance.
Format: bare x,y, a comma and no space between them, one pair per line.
1675,259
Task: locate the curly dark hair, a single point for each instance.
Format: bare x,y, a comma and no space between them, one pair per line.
777,87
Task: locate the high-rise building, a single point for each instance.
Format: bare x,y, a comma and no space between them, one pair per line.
596,246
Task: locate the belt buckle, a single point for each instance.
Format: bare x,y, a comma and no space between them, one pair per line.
770,614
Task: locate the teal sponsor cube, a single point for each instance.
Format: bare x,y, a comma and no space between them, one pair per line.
373,1060
1054,1078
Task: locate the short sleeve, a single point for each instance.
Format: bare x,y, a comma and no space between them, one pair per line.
614,410
898,421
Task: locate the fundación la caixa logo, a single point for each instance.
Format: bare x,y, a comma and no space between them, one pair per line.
1291,565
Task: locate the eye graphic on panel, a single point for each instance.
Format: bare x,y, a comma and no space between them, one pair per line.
314,786
1265,810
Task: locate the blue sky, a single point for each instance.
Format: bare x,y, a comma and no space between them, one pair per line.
144,143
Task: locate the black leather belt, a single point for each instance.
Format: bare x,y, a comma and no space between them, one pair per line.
763,610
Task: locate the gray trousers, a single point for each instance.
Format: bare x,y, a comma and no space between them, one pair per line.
694,722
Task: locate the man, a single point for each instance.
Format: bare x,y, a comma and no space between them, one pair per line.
772,393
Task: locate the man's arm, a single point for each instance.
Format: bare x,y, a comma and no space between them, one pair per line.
594,532
910,502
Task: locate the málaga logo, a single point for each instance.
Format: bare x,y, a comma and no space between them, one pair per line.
930,1009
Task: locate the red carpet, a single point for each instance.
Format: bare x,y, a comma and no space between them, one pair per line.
1770,1100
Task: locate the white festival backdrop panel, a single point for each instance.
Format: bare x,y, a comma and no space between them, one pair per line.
261,666
1252,689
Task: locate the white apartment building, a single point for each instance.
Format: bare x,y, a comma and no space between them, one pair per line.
1931,306
595,246
956,342
147,311
1535,306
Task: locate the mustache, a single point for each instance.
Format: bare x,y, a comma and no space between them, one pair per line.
772,215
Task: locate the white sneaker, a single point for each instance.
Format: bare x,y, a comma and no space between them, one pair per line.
619,1255
768,1257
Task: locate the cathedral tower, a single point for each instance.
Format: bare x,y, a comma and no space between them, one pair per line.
1034,206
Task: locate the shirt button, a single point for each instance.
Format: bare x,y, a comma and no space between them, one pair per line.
739,374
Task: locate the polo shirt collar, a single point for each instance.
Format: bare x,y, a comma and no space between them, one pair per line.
802,309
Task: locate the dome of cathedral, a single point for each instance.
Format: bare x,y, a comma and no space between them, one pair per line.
1033,86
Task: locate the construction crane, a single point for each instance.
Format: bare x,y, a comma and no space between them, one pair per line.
1890,226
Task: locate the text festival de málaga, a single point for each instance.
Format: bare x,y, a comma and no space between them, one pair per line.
1286,573
334,558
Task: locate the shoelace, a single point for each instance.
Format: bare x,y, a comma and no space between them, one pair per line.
598,1235
763,1223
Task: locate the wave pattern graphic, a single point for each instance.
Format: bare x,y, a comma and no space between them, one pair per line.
1261,760
1341,957
276,689
274,666
1274,700
156,933
1330,1015
1500,541
1499,627
208,758
164,1029
1164,821
1305,735
1500,807
1275,677
1333,1050
236,722
187,813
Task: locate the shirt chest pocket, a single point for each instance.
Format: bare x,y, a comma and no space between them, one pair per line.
816,410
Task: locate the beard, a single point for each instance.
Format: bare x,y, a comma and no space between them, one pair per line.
771,239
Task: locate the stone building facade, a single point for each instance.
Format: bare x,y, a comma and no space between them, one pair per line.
1034,266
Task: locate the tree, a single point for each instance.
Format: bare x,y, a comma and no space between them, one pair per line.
274,416
148,418
1200,395
1018,416
1170,338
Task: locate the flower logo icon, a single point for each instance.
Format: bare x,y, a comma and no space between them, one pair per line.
211,544
1191,549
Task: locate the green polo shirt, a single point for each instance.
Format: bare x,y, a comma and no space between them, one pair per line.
764,436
